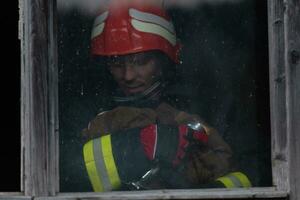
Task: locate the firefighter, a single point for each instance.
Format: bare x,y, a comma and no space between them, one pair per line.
144,142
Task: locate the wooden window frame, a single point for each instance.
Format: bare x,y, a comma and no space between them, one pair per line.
39,111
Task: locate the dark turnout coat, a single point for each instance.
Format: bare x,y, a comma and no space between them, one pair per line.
203,165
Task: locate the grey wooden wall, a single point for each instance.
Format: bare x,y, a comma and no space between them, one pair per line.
39,99
284,49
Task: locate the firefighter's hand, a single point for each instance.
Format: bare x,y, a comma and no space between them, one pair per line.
208,161
120,118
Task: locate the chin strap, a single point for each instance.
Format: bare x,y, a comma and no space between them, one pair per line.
149,94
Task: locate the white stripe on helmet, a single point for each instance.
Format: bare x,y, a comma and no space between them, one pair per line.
97,30
154,29
149,17
101,18
99,24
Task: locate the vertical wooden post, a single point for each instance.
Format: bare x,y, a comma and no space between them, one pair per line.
292,69
277,93
284,47
39,104
53,160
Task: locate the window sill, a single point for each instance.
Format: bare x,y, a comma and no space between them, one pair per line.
252,193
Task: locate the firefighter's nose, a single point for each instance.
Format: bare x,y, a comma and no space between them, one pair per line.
130,73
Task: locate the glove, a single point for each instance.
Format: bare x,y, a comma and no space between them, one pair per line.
209,161
120,118
169,145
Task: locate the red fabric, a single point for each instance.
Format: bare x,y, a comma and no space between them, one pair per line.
183,143
200,135
148,139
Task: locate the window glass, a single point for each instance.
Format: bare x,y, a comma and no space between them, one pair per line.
186,121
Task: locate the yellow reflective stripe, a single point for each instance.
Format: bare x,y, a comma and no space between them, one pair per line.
226,182
242,178
100,164
235,179
110,162
91,166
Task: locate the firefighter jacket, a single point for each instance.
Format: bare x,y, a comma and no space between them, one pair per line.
108,167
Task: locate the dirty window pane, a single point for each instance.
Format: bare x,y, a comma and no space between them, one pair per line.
220,81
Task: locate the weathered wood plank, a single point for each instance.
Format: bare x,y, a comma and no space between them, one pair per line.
34,99
53,155
24,125
253,193
292,63
13,196
277,93
38,108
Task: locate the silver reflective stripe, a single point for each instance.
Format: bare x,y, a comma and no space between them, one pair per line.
100,165
101,18
149,17
154,29
235,181
97,30
155,144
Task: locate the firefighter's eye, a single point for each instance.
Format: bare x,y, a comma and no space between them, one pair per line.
140,60
116,65
115,62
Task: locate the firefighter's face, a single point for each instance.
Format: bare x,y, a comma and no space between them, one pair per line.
134,73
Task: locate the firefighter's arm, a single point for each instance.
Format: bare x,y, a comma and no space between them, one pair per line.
209,163
212,165
118,119
113,160
122,158
208,160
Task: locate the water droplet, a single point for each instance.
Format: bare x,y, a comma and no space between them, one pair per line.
81,90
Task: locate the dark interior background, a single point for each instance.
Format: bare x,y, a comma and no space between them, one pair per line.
224,74
10,151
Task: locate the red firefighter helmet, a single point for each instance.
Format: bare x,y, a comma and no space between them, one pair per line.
134,27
